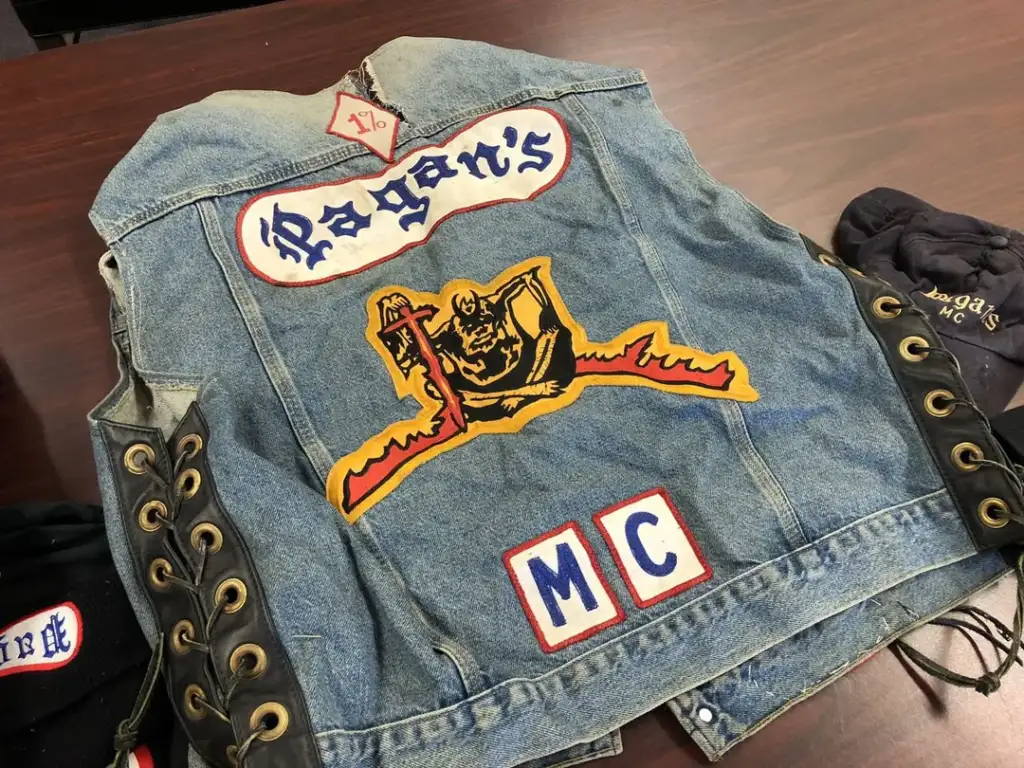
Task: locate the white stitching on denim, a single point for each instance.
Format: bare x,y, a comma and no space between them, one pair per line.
757,468
114,231
273,363
844,668
614,748
466,663
935,505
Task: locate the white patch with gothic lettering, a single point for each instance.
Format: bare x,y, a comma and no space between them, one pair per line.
46,640
360,120
561,587
652,547
309,235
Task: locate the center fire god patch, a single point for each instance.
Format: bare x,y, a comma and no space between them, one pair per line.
491,358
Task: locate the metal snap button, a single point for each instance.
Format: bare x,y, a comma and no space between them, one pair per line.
182,631
828,260
705,715
933,403
994,512
886,307
209,533
152,515
907,349
188,483
248,660
193,696
190,445
271,716
966,456
231,592
159,570
137,457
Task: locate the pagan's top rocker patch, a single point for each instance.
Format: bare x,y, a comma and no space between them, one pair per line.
491,358
309,235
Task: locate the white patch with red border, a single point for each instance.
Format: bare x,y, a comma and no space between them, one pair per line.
561,587
652,547
360,120
140,757
46,640
309,235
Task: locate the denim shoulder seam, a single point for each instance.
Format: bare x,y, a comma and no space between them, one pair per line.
259,333
735,422
773,225
116,230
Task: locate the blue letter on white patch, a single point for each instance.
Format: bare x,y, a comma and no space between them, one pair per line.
46,640
569,576
561,588
653,548
309,234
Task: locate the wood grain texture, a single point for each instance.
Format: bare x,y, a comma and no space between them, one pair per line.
800,104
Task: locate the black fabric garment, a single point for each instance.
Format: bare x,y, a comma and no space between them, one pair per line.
67,716
965,273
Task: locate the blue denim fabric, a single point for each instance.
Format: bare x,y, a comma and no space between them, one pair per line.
735,705
412,644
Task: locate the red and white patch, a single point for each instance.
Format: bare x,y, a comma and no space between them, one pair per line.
309,235
652,546
140,757
46,640
561,587
371,125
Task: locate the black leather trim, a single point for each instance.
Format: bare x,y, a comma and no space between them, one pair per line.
210,736
917,379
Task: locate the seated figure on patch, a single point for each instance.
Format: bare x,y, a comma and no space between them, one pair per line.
497,352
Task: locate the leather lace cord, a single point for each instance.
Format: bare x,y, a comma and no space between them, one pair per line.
127,731
989,681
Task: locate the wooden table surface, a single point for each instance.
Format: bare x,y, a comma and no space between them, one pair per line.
800,104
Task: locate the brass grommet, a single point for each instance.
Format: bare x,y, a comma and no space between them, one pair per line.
133,456
190,444
158,571
829,260
194,694
931,403
255,654
966,456
994,512
913,341
150,515
271,715
183,629
232,593
880,307
188,482
211,533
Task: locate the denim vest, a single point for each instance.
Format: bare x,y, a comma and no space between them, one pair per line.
463,418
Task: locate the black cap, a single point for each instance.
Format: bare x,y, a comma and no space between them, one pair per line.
72,656
966,273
